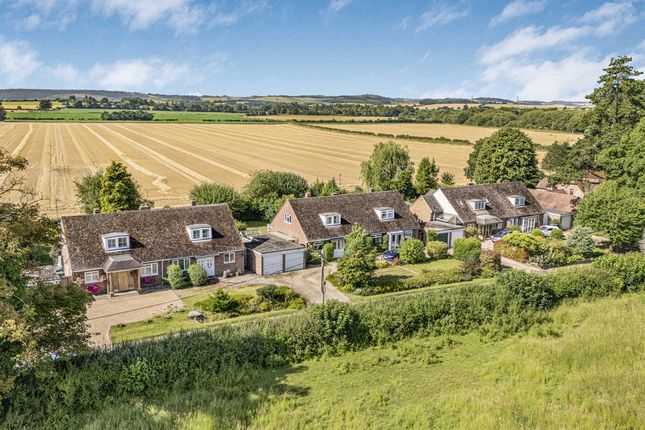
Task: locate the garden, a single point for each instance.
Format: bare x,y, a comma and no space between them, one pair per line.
214,308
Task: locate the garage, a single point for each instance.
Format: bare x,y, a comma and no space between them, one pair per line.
268,255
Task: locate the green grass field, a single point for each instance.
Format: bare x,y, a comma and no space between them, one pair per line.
583,370
177,321
94,115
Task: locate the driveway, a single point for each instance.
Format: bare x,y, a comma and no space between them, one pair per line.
306,282
105,312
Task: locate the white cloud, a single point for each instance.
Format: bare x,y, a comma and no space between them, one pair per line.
337,5
41,14
17,61
439,15
518,8
530,39
243,9
425,56
68,74
182,15
609,17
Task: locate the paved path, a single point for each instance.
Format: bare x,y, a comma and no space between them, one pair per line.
507,262
106,311
307,283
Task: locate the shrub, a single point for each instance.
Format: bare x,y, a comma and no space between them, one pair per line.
328,251
219,302
537,233
528,243
630,268
509,251
281,295
356,271
531,290
437,250
175,277
431,235
588,282
490,263
554,253
471,267
471,232
580,241
514,228
467,248
557,234
197,274
411,251
241,225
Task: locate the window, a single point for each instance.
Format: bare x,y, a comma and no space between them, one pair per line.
377,238
150,269
287,218
480,205
519,202
91,277
229,258
183,263
330,219
115,242
339,244
317,246
199,232
407,233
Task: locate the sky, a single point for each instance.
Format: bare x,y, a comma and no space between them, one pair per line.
526,49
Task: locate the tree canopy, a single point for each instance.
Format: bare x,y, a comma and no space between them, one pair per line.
119,190
625,161
212,193
506,155
387,162
88,191
426,176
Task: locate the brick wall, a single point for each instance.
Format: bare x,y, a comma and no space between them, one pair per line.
278,225
421,210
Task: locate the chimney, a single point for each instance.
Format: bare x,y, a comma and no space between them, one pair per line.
193,203
97,210
144,207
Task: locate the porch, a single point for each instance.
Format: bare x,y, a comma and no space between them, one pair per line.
123,273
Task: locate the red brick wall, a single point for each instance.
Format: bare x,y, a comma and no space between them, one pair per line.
421,210
278,225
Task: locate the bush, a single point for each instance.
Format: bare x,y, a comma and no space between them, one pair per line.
509,251
356,271
587,283
531,290
278,295
176,277
211,193
219,302
555,253
471,232
437,250
431,235
428,278
630,268
580,241
528,243
467,248
241,225
490,263
537,233
411,251
328,251
471,267
514,228
557,234
197,274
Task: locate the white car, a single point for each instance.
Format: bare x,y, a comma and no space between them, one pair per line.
548,229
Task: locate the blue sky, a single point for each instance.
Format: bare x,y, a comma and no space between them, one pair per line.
531,49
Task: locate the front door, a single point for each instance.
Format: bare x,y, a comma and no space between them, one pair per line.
124,281
339,247
395,240
208,263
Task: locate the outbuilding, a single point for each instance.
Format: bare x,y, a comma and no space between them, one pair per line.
268,255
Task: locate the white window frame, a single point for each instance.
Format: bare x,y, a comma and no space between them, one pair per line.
229,257
287,218
92,277
317,246
479,205
120,242
331,219
148,269
377,239
183,263
200,232
520,202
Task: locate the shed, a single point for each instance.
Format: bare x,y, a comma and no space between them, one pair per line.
268,254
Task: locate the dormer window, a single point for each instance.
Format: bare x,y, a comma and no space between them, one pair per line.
517,201
384,214
200,232
330,219
478,205
116,241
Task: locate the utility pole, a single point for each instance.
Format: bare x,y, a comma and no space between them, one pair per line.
340,179
323,287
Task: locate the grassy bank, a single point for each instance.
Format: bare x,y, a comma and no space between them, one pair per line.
581,371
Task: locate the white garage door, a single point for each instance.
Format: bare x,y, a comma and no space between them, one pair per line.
294,261
272,263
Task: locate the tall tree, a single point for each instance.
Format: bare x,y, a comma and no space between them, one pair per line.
625,161
119,190
356,267
45,104
212,193
447,178
506,155
38,320
469,170
616,211
3,113
426,176
387,162
88,191
403,184
330,187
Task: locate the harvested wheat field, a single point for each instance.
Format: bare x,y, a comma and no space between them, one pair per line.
453,131
168,159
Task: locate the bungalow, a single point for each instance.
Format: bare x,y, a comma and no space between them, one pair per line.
316,220
575,188
559,207
123,251
488,208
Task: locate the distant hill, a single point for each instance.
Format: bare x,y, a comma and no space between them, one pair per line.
39,94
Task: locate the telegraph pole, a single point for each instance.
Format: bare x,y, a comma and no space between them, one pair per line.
322,277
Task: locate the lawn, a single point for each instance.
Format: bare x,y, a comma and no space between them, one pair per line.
94,115
258,226
403,271
173,322
582,370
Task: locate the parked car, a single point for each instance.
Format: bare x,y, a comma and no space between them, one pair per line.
548,229
391,255
500,234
